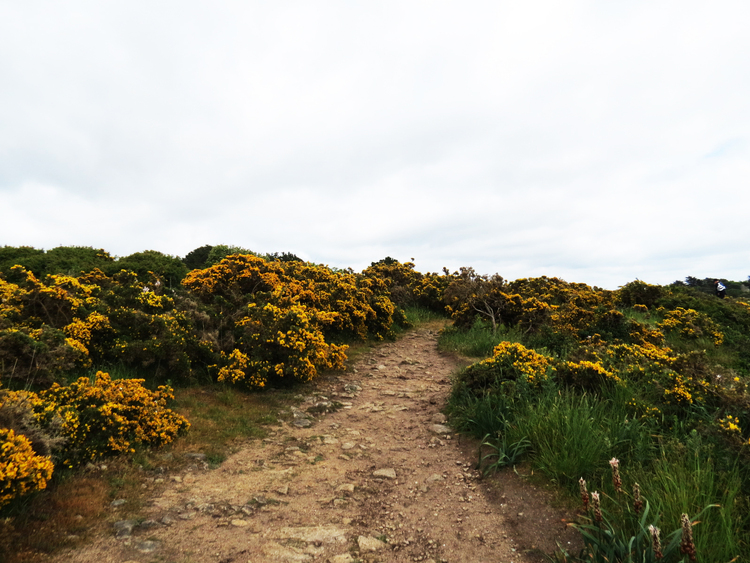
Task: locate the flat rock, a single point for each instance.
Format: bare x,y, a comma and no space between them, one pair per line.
302,422
284,554
311,534
387,473
146,546
123,528
370,545
435,477
440,429
347,489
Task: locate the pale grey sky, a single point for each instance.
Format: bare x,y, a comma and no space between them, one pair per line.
594,141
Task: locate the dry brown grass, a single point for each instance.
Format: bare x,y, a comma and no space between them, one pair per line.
65,513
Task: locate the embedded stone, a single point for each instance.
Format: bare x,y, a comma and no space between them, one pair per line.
387,473
146,546
440,429
346,489
123,528
370,545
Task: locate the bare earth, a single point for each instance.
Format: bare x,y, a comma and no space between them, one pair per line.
378,478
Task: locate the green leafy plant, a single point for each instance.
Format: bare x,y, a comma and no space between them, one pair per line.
501,453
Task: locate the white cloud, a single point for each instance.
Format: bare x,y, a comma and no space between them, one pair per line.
595,142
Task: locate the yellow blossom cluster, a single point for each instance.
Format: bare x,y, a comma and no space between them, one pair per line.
280,342
108,416
407,286
275,319
584,374
689,323
730,424
510,361
680,392
22,471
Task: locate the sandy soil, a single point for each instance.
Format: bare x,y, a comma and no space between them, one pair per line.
364,470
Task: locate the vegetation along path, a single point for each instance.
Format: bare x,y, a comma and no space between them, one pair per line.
365,469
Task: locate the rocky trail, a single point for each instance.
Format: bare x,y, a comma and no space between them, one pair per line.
364,470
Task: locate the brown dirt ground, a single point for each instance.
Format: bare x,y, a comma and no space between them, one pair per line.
318,493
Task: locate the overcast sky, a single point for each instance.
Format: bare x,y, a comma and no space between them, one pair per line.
598,142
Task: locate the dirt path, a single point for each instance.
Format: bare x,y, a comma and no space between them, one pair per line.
380,478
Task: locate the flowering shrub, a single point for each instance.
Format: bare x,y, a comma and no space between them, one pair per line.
22,471
406,286
280,342
38,355
730,424
509,362
639,293
584,374
691,324
108,416
361,304
275,319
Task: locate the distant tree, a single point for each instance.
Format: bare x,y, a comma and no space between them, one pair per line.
283,257
72,260
639,293
221,251
387,261
196,259
169,268
31,258
471,295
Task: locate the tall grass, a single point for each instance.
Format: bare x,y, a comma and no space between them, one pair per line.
418,315
477,341
684,479
575,435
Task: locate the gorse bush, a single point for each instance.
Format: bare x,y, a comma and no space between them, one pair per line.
100,417
270,319
107,417
22,471
278,342
281,319
81,422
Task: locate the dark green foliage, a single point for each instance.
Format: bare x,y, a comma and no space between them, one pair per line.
387,261
197,258
283,257
152,265
639,293
27,256
68,260
72,260
221,251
